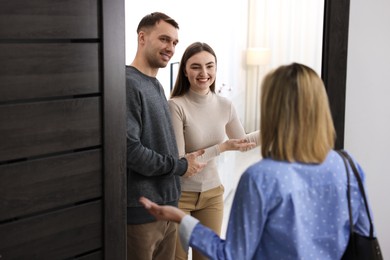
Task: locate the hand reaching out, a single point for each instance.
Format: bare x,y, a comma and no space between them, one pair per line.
237,145
168,213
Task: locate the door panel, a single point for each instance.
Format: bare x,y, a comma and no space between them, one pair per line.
39,128
34,186
49,19
29,71
57,235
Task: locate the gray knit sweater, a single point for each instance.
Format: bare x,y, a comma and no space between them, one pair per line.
153,164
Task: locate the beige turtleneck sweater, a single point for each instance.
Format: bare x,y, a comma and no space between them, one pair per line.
204,122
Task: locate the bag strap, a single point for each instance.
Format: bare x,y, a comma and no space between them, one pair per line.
361,188
348,192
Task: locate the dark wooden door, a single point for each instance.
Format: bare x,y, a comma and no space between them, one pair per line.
62,129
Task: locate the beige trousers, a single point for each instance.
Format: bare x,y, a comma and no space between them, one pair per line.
205,206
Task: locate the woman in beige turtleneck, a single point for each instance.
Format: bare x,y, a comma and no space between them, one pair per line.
202,120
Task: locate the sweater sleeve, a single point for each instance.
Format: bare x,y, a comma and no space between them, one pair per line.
254,137
140,158
235,130
210,153
177,116
244,231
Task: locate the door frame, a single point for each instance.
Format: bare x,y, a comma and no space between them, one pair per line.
334,61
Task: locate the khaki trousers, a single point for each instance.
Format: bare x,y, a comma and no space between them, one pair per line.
151,241
205,206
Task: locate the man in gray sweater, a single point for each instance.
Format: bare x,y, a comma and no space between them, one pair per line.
153,163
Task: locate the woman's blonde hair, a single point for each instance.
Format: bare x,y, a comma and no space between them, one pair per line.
296,123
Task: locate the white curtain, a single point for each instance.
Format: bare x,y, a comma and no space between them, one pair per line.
292,30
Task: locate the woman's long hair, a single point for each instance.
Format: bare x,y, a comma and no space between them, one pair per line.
182,84
296,122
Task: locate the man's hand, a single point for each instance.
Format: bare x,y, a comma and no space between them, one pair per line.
194,167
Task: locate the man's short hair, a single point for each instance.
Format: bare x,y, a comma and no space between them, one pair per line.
152,19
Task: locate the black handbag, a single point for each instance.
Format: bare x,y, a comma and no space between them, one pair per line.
359,247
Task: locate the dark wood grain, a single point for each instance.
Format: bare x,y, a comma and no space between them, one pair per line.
38,185
56,235
114,129
34,129
48,70
53,19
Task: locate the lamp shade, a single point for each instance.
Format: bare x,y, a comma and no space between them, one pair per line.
258,56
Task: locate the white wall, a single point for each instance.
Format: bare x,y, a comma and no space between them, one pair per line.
367,126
